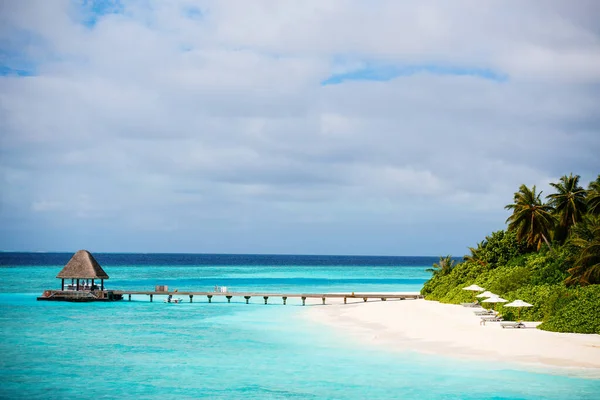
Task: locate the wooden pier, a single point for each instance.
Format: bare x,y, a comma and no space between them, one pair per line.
84,271
265,296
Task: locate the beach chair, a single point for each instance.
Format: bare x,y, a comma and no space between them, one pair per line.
474,304
485,312
512,324
491,318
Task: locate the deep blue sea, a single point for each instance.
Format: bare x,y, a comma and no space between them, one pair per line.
144,350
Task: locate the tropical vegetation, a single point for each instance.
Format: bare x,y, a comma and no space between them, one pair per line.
548,256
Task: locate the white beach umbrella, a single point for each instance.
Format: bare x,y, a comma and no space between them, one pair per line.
487,294
519,304
474,288
495,300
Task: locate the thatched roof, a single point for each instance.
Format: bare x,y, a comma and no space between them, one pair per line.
83,266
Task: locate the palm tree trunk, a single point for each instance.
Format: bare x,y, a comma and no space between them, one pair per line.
548,243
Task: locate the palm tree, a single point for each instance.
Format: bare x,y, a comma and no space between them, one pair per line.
443,267
569,202
586,240
593,197
531,219
475,255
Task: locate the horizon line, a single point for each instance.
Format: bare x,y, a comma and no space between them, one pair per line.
226,254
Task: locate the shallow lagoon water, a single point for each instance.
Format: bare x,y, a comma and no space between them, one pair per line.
189,351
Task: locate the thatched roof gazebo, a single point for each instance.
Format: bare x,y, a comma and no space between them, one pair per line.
82,266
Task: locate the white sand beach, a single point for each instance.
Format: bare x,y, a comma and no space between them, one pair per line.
453,330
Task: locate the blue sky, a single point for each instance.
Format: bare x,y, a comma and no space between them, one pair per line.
383,73
339,127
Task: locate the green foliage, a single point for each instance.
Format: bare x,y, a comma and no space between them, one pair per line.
546,299
443,267
506,279
593,197
568,204
514,265
585,245
548,268
531,219
500,247
578,313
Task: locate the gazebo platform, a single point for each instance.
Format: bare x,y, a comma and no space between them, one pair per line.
84,271
80,296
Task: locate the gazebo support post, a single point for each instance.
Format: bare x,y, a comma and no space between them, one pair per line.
78,284
101,284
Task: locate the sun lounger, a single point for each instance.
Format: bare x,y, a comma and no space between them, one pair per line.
485,312
512,324
474,304
491,318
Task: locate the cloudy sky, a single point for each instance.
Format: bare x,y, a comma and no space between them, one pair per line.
283,126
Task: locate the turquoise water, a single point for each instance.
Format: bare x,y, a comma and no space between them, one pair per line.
149,350
295,279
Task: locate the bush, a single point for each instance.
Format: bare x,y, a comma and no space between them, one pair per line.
578,313
546,299
500,247
506,279
549,268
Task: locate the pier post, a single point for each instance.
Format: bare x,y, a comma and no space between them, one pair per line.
191,297
284,300
365,299
130,297
345,299
303,301
323,300
266,298
150,298
209,298
247,298
228,299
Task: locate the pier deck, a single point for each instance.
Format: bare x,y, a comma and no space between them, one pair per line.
284,296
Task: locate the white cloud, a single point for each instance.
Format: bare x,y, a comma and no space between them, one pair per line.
220,120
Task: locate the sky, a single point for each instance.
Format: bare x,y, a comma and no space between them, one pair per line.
378,127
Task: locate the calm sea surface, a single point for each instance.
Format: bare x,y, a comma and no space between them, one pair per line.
153,350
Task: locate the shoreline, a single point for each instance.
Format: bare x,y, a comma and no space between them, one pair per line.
454,331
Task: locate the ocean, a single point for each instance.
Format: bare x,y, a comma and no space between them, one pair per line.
144,350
